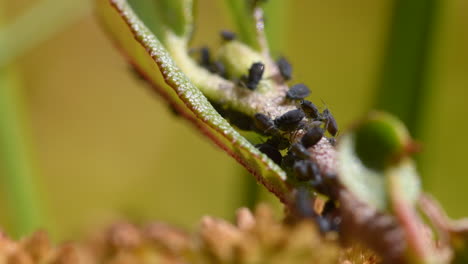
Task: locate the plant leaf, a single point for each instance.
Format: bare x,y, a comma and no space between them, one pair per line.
373,162
159,16
145,51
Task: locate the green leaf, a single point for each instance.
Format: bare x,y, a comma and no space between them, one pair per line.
161,65
373,162
159,16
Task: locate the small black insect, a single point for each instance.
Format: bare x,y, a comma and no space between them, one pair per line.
228,35
255,75
303,203
288,161
278,142
239,119
271,152
312,136
304,209
329,212
310,109
329,207
290,120
285,68
205,57
307,170
298,91
218,68
264,124
332,141
332,126
299,152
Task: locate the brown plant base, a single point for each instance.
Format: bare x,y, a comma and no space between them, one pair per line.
255,238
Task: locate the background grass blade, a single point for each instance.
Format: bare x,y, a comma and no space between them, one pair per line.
276,25
16,170
243,21
37,24
403,89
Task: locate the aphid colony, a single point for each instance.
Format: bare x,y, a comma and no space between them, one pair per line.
306,120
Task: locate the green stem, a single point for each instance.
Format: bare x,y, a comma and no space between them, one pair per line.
403,89
17,174
244,21
26,31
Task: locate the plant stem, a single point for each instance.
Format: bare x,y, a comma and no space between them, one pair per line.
243,20
17,175
16,170
403,89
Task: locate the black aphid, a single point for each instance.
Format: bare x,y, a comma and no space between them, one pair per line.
332,126
205,57
228,35
330,213
290,120
304,209
303,203
285,68
299,152
239,119
288,161
298,91
255,75
310,109
307,170
278,142
312,136
332,141
329,207
264,124
271,152
218,68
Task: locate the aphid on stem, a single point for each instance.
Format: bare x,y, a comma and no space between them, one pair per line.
310,109
290,120
284,68
264,124
254,77
331,125
271,151
227,35
298,92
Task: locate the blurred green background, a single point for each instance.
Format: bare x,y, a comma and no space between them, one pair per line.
104,147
